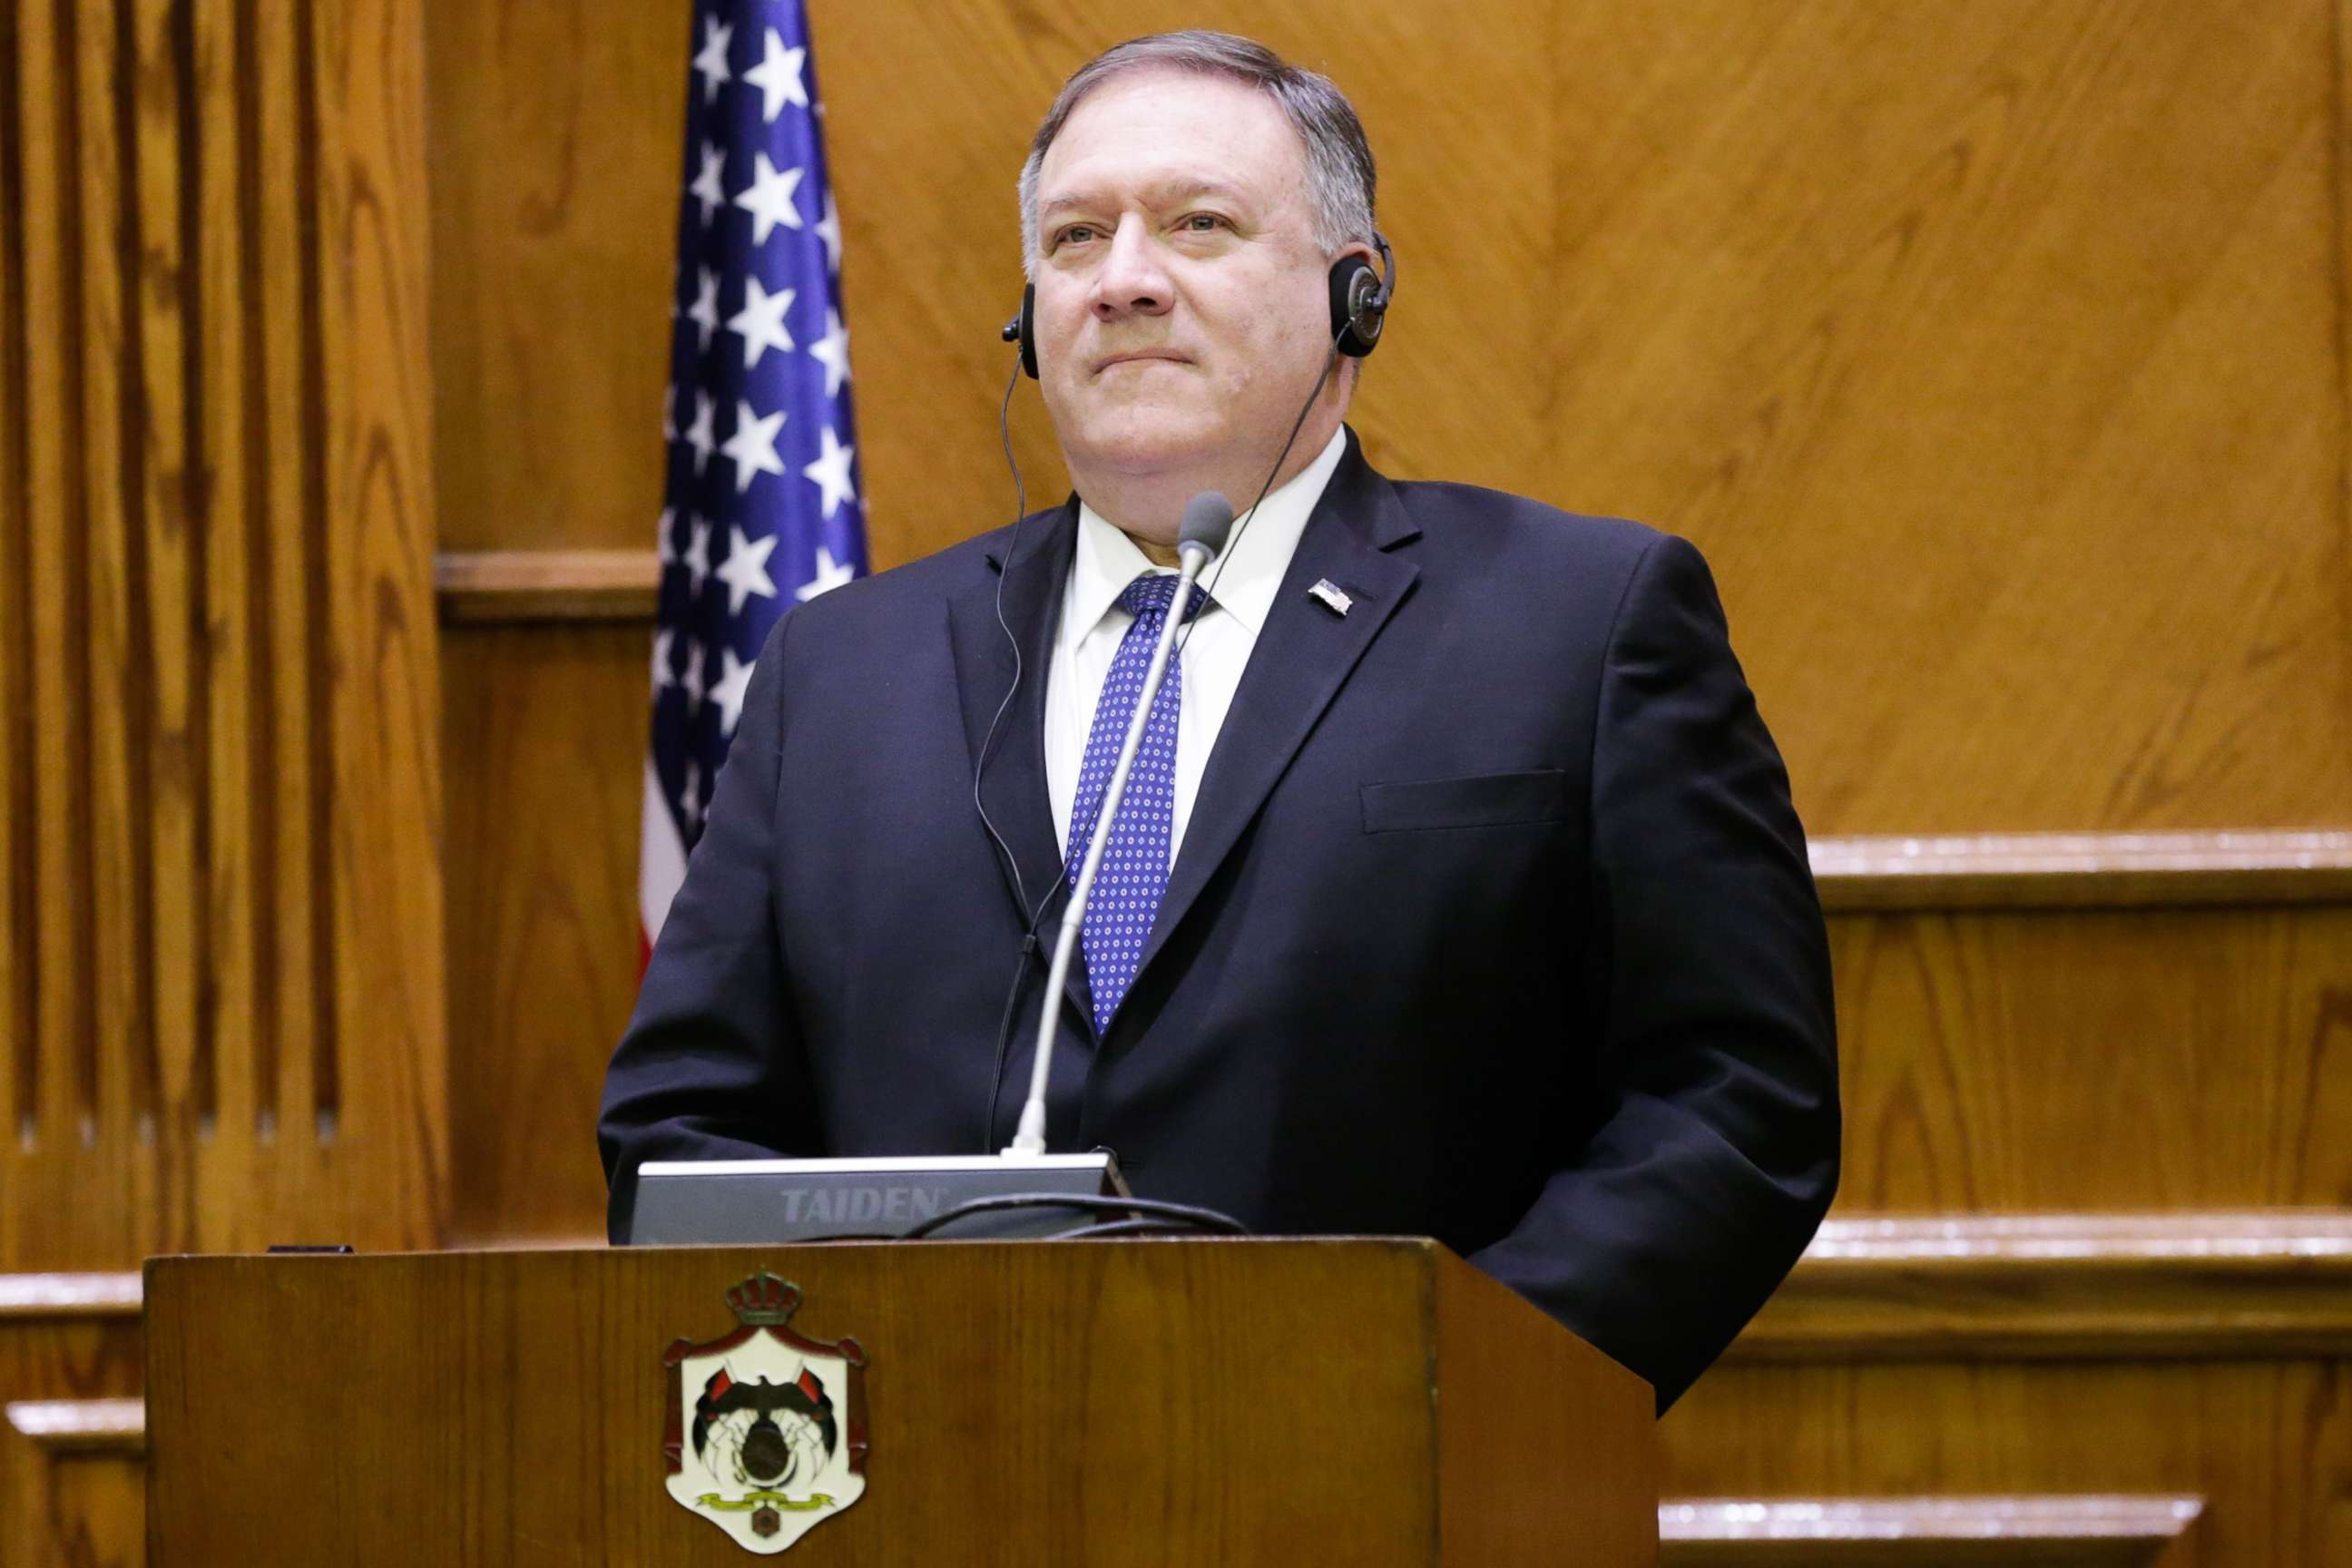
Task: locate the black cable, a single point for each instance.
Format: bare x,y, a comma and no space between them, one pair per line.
979,767
980,764
1004,1032
1125,1227
1208,588
1205,1219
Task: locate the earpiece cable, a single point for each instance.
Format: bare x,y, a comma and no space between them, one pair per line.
980,764
1242,527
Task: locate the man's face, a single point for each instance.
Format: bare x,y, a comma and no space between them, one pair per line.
1182,308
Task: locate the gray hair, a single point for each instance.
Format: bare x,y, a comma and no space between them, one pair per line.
1341,179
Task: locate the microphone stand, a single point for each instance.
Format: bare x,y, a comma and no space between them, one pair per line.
1193,554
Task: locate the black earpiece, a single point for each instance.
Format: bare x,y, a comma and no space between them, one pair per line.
1022,328
1359,300
1360,308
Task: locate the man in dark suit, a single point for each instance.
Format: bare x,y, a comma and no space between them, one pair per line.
1480,910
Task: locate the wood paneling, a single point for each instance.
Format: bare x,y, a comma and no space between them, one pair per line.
558,142
69,1336
546,746
73,1484
2268,1443
223,913
1990,360
2083,870
548,585
1159,1402
2275,1283
1924,1532
2096,1059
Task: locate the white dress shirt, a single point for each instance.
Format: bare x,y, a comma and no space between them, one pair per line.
1214,654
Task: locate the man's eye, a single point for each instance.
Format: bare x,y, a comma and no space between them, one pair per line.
1203,223
1077,234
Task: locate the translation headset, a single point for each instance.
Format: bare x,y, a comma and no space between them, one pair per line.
1359,307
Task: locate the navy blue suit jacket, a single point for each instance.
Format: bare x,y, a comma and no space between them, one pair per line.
1492,922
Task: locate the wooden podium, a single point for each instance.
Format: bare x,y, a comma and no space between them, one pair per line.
1138,1403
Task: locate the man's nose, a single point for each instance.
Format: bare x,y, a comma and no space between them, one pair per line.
1132,281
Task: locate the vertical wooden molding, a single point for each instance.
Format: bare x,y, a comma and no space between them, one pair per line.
295,505
156,272
66,585
17,828
370,58
220,869
2340,83
222,390
312,600
218,387
252,1097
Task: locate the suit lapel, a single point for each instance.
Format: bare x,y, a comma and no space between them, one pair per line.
1013,780
1304,652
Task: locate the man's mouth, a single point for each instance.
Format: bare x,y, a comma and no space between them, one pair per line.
1141,356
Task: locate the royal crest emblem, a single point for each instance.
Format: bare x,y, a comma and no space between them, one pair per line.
767,1427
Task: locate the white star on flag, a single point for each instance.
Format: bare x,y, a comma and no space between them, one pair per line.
832,350
769,199
734,678
705,313
829,575
753,446
761,322
745,570
707,188
692,679
663,674
697,565
778,77
698,435
829,231
712,63
831,472
667,547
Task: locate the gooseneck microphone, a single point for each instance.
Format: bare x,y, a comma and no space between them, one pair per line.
1208,519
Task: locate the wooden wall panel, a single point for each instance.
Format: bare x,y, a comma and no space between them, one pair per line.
1990,359
2267,1444
545,738
2093,1060
223,909
2030,1531
70,1336
73,1484
557,135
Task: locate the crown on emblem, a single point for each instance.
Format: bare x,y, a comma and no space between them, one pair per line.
764,1300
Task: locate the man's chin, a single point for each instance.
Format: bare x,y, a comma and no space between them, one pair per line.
1146,439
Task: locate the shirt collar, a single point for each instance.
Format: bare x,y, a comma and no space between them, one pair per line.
1258,557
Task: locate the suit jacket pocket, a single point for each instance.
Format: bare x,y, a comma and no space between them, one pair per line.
1483,800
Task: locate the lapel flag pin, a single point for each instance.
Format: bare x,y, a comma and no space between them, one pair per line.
1337,603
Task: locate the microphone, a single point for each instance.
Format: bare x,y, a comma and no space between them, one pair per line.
1208,520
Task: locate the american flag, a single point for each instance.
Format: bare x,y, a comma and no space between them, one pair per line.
763,500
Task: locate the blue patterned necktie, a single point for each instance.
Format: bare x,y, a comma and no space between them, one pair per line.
1134,871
